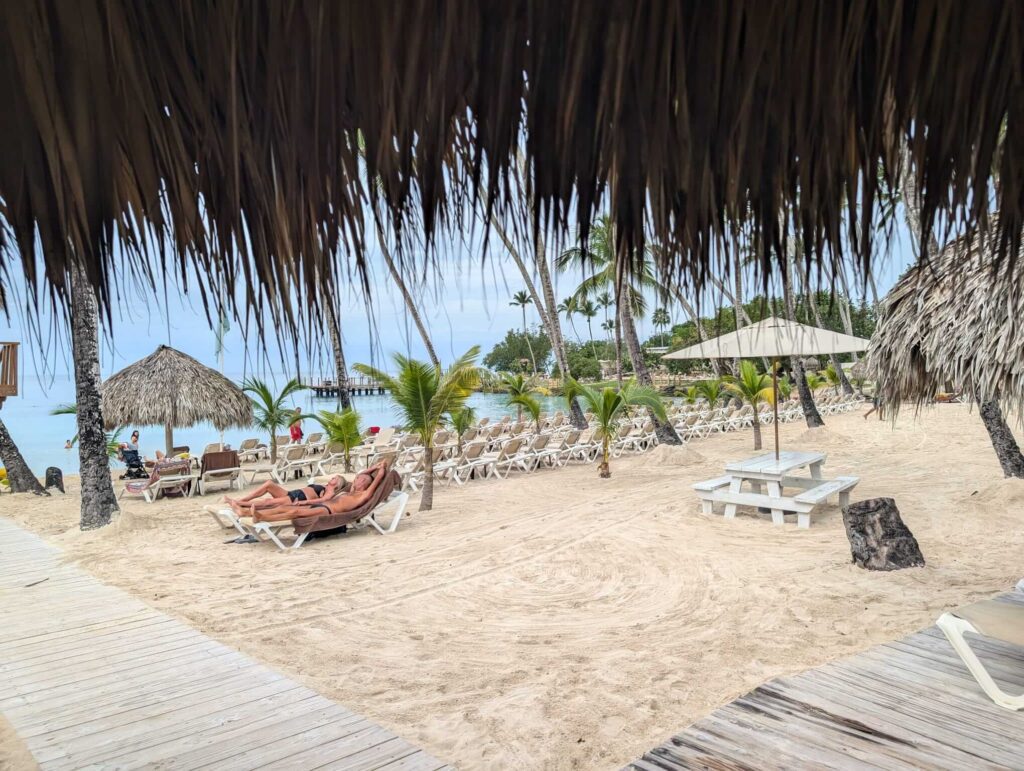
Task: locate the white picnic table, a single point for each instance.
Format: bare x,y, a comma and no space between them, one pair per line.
768,478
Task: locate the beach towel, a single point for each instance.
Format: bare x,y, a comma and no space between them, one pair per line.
215,461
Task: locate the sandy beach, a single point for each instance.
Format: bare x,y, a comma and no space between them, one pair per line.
560,621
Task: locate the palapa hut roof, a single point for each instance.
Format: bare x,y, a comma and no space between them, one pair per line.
950,321
170,387
230,133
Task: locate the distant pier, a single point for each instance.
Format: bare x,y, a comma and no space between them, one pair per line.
357,386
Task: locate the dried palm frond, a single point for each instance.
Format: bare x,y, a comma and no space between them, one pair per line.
954,320
226,135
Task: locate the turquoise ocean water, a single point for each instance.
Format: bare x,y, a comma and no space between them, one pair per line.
41,436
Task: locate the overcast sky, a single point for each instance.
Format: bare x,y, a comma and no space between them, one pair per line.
471,308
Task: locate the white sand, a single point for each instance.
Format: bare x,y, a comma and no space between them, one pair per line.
563,621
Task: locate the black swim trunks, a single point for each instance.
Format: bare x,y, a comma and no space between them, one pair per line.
296,495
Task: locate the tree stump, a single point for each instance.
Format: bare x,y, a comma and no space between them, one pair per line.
878,538
54,478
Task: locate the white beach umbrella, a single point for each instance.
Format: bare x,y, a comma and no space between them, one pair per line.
772,338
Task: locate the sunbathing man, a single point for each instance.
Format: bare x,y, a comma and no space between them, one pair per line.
362,489
313,493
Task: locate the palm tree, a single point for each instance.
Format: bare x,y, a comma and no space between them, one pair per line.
588,310
610,405
269,412
522,299
712,390
518,386
461,421
424,395
19,475
814,381
607,275
608,326
98,500
604,302
568,307
754,388
832,377
340,369
341,428
661,319
529,403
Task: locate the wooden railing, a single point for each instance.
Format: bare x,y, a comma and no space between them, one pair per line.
8,370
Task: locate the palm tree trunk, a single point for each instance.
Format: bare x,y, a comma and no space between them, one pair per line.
340,369
547,308
1007,450
427,498
98,499
665,431
811,415
410,303
529,345
19,475
812,301
618,348
604,470
590,333
757,430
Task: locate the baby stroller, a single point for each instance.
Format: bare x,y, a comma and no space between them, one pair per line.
135,468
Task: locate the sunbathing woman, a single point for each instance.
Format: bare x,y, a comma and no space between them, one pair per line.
362,489
254,501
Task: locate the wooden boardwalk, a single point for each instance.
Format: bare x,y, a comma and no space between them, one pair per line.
901,705
90,677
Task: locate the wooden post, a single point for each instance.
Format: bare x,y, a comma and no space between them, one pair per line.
169,438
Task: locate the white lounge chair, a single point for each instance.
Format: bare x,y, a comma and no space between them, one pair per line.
251,450
1002,621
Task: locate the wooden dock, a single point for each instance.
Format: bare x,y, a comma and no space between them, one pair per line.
901,705
91,677
357,386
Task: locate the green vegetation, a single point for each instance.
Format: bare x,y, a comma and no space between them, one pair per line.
341,428
610,405
269,412
424,395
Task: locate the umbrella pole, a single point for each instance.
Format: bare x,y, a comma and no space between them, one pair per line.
169,438
775,403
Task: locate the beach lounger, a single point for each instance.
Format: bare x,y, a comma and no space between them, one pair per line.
219,468
251,450
168,476
1002,621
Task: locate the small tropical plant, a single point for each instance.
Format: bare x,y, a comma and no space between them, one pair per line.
832,377
423,395
712,390
691,395
269,412
461,420
754,388
610,406
341,428
815,381
785,388
516,386
530,404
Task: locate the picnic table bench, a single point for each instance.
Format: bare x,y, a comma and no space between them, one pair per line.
767,471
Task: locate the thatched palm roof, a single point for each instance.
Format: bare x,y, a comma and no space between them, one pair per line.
211,127
171,388
948,321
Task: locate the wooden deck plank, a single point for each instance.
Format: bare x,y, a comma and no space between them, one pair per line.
94,678
907,704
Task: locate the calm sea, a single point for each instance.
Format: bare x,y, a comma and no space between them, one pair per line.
41,436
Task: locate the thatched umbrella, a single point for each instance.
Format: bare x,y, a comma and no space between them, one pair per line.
171,389
956,320
950,320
